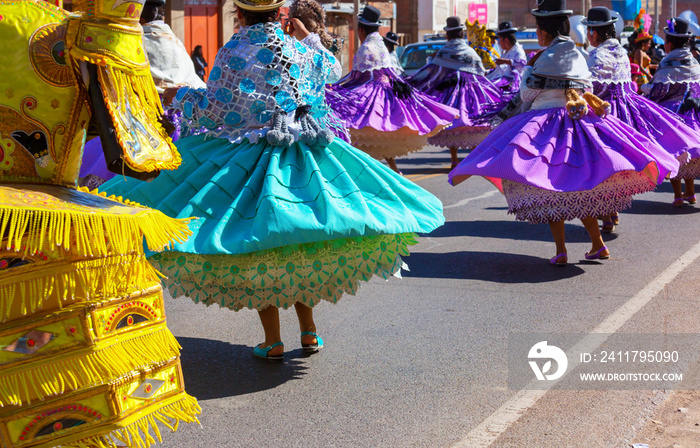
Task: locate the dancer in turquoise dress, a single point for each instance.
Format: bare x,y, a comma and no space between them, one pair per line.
288,214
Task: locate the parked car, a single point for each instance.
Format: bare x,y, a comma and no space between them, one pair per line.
528,39
415,56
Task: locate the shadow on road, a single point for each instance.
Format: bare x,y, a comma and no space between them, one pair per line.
489,266
642,207
512,230
217,369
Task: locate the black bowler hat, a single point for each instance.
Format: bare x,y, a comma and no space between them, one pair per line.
369,16
598,16
678,27
392,38
550,8
453,23
506,27
155,2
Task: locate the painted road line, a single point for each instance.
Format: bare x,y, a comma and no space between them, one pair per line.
499,422
476,198
426,176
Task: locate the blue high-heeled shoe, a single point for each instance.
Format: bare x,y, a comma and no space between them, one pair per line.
312,348
263,352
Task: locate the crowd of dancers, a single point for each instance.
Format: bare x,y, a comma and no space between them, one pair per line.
274,193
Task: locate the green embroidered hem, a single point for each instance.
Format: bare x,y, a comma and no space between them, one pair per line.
306,273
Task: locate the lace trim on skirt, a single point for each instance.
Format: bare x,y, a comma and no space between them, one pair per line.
383,145
461,137
690,170
306,273
540,206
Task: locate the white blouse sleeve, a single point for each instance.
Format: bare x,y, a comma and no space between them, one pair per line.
527,94
336,70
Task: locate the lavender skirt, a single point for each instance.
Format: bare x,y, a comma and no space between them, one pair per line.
474,96
672,95
553,168
654,121
366,99
507,79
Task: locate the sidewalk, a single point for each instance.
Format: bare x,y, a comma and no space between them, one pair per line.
675,425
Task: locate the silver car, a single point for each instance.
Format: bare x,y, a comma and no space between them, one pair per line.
415,56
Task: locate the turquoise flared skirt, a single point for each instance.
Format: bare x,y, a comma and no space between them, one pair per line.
279,225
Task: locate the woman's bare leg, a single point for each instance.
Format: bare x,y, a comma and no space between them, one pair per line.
557,228
306,322
392,164
591,225
270,319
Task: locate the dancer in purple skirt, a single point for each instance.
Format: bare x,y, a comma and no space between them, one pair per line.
558,160
387,118
612,82
676,86
455,77
509,67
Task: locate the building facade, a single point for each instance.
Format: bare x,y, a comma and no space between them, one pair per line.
518,11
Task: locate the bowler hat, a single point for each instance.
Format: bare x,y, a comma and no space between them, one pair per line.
369,16
550,8
506,27
392,38
598,16
678,27
453,23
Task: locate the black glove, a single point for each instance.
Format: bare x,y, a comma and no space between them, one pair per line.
690,103
401,89
446,84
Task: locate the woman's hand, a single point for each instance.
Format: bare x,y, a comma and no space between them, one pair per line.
500,61
169,95
532,61
296,28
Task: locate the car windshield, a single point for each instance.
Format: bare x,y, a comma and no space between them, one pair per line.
417,56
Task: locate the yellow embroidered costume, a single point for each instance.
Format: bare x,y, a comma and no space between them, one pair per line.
480,42
86,358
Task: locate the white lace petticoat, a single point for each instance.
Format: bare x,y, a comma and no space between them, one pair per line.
461,137
540,206
690,170
384,145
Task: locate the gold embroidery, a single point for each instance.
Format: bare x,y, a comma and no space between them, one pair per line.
7,147
47,54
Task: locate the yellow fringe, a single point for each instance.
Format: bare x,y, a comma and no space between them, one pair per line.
100,364
141,90
93,234
138,433
60,281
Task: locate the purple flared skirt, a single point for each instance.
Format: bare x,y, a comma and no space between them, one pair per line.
553,168
476,98
366,99
382,123
658,123
505,78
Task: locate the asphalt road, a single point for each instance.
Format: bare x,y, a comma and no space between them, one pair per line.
421,361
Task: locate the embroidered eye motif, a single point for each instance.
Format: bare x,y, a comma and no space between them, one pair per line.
130,320
58,419
147,389
65,423
129,315
30,343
